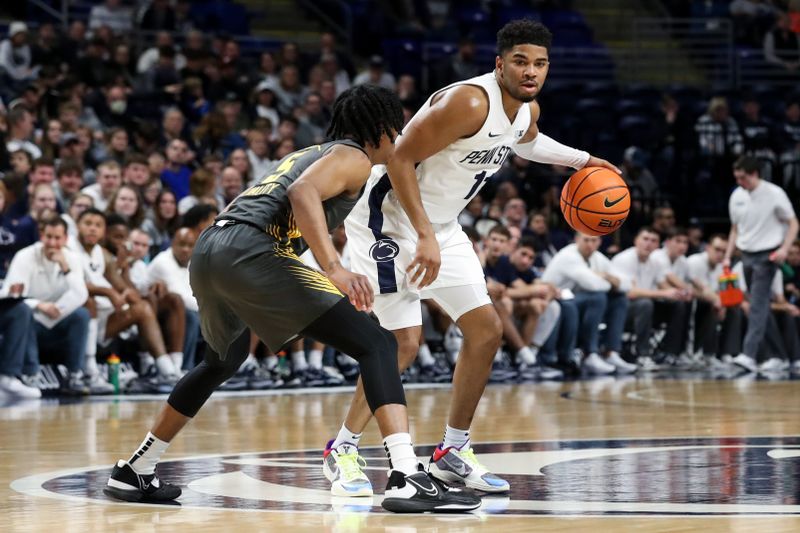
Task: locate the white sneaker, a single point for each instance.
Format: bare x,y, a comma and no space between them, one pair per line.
773,364
646,364
14,387
98,384
746,362
796,367
596,365
685,362
622,366
716,365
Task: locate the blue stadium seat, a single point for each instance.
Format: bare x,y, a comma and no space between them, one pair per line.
507,14
636,130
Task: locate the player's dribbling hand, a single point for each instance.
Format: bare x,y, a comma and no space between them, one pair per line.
597,162
427,260
355,286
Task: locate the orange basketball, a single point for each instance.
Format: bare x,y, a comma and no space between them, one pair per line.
595,201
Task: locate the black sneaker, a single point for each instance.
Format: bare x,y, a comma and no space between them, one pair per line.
422,493
125,484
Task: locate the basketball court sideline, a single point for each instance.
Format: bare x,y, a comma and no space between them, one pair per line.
675,454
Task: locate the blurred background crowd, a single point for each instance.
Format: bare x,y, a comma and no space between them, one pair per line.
126,126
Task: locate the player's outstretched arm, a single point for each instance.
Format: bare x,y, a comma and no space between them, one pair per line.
538,147
456,113
342,170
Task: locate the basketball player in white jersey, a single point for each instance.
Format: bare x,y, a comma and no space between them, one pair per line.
404,235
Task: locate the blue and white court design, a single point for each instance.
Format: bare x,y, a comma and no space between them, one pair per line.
625,477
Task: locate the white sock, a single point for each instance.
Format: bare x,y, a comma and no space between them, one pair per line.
547,323
455,438
149,452
145,361
165,365
299,360
346,437
91,348
177,360
525,355
424,355
315,359
272,361
400,453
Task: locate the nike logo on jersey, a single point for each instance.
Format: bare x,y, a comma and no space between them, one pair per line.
615,202
430,491
494,134
495,156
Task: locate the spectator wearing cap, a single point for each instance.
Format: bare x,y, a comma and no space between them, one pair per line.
640,180
15,57
113,14
376,74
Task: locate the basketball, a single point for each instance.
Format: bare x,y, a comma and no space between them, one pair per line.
595,201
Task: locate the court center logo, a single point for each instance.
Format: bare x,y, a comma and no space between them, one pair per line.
712,476
384,250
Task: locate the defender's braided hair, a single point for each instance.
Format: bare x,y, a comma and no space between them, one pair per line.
364,112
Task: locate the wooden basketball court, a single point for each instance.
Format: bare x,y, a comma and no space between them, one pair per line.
604,455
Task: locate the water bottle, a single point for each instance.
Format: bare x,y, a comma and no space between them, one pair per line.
113,372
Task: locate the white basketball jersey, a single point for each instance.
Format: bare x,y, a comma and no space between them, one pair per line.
449,179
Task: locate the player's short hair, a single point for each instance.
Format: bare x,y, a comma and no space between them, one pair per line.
723,237
91,211
135,159
677,231
365,112
113,219
646,229
69,166
52,221
527,242
749,164
110,165
196,214
499,229
523,31
42,162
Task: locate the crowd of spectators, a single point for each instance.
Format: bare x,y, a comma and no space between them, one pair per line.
115,156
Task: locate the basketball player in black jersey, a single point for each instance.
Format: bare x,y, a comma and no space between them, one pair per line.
246,275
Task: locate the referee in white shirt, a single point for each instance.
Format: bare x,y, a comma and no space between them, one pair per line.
763,227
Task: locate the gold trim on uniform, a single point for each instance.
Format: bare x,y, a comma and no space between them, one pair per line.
314,280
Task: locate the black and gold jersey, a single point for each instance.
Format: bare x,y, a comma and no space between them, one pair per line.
266,204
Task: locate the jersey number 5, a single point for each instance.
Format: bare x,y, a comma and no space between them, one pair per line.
479,179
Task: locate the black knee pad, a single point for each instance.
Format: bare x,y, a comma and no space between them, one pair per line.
374,347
